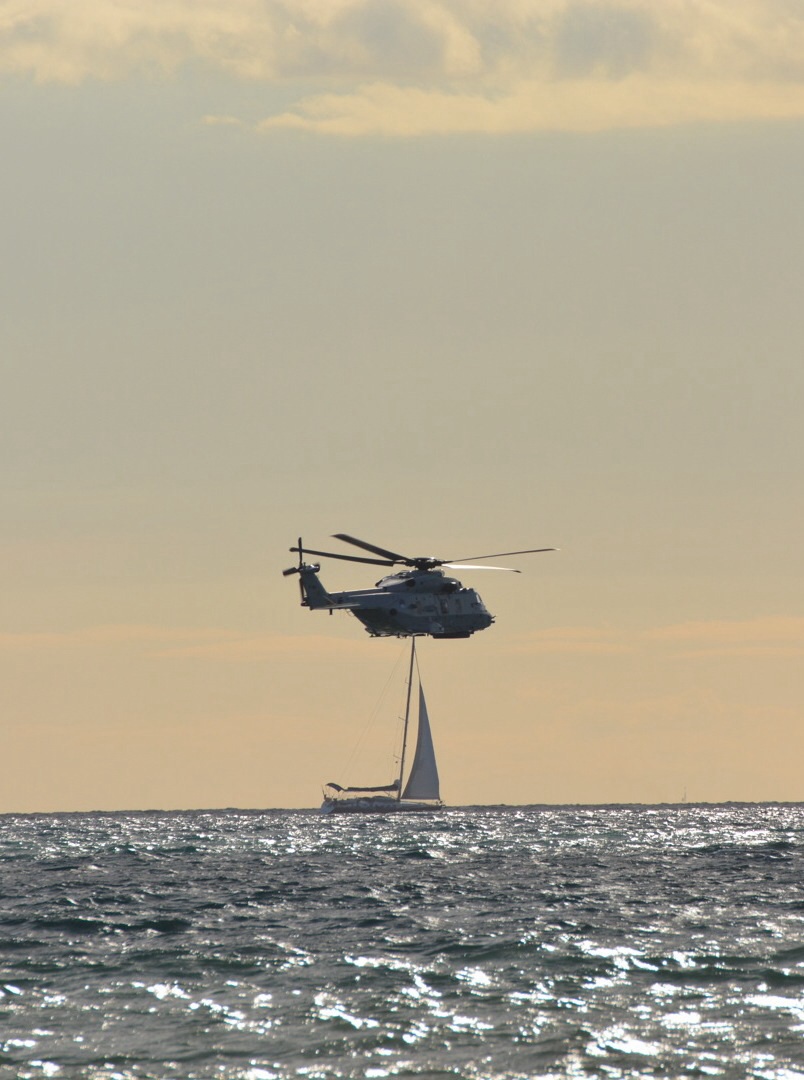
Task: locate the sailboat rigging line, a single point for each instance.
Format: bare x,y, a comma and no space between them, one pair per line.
371,721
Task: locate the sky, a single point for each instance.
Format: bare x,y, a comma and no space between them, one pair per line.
453,277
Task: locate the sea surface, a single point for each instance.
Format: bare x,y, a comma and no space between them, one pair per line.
481,943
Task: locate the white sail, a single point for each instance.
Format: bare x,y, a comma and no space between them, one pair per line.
423,779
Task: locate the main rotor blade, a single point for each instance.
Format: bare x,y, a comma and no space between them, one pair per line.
501,554
395,556
346,558
471,566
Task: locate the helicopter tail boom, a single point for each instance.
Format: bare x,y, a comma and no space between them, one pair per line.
314,595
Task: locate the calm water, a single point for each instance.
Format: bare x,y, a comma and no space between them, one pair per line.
479,943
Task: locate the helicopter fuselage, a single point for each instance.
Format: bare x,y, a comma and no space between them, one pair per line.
405,604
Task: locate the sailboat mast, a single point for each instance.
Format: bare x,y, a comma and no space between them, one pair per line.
407,716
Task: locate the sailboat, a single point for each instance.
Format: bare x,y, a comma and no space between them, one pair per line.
420,792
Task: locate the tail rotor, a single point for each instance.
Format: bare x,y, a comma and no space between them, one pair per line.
297,569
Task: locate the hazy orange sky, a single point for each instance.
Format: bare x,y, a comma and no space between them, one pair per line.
450,276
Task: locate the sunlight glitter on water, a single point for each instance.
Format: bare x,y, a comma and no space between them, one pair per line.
496,945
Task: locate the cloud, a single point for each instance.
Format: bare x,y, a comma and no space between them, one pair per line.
223,121
245,648
431,67
105,635
211,643
764,630
765,636
578,105
587,640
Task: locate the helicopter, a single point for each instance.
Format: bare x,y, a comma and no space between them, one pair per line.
420,600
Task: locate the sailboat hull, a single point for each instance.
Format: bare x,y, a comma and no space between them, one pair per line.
377,804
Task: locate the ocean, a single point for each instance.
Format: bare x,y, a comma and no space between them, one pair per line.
485,943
